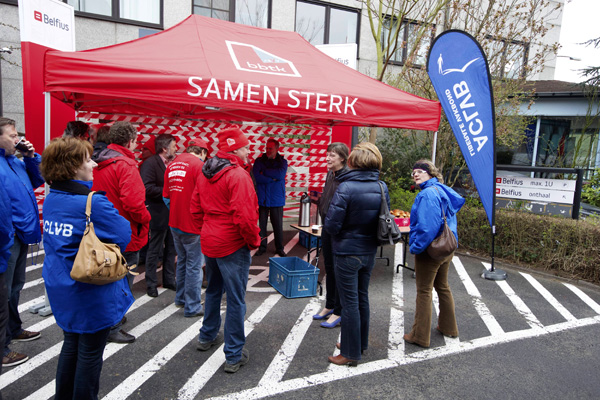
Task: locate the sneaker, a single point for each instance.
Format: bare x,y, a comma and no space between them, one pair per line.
205,346
13,358
26,336
232,368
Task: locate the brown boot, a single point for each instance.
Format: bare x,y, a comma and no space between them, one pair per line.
341,360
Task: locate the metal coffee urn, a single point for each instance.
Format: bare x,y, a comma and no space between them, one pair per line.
304,216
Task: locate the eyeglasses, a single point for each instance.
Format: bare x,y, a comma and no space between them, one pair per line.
417,171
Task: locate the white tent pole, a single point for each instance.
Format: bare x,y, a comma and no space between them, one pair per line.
435,135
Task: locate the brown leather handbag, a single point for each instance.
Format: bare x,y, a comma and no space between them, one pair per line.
445,244
97,262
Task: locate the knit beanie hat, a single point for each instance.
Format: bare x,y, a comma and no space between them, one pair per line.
231,139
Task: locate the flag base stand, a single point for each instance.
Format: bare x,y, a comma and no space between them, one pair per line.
494,275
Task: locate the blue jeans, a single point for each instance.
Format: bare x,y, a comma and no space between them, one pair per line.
79,365
227,274
352,274
15,279
189,272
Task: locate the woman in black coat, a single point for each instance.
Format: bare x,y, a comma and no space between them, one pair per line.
352,223
337,158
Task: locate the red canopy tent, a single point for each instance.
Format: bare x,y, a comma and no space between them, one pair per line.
205,68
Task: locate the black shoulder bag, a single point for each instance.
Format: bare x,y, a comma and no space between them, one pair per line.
388,232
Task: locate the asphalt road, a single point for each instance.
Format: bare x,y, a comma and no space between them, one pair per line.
532,336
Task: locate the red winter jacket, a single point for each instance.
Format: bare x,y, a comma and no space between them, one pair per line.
224,204
117,174
180,181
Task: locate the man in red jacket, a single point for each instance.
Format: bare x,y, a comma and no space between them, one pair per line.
180,180
225,206
117,174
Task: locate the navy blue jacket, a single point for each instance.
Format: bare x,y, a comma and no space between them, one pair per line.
426,222
20,177
270,180
354,213
7,232
81,307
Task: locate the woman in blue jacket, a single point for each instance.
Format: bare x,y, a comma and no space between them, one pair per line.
85,312
352,223
426,223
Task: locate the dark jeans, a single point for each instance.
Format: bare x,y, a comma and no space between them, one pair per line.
277,223
79,365
3,313
158,238
352,276
227,274
15,279
332,298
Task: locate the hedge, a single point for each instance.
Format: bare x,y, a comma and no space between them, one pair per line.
564,246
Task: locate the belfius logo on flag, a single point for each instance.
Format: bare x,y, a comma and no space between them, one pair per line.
458,69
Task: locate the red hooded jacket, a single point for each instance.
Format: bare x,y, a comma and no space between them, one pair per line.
117,174
181,176
225,206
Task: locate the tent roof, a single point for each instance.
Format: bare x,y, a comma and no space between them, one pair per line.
205,68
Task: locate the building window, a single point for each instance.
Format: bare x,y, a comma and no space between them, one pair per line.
414,39
247,12
326,24
140,12
507,58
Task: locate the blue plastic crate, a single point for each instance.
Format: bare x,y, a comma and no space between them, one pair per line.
308,241
293,277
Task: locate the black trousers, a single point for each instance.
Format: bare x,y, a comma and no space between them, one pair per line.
276,214
158,238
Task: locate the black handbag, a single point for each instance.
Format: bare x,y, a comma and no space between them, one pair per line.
388,232
445,244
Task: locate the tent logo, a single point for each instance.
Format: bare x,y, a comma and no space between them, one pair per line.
55,22
37,15
247,57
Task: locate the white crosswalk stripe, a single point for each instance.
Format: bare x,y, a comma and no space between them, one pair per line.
272,378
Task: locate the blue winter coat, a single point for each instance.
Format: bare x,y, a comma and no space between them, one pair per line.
354,213
426,221
270,180
81,307
20,177
7,232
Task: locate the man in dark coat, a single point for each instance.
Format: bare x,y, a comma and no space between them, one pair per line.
269,173
153,175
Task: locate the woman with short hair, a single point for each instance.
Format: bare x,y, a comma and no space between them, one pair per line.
426,223
352,222
85,312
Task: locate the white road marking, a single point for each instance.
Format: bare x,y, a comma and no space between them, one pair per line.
374,366
483,311
287,351
396,332
214,362
586,299
33,267
33,283
549,297
517,302
25,306
48,390
262,276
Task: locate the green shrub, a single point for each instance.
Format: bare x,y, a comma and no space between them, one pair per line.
591,190
569,246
